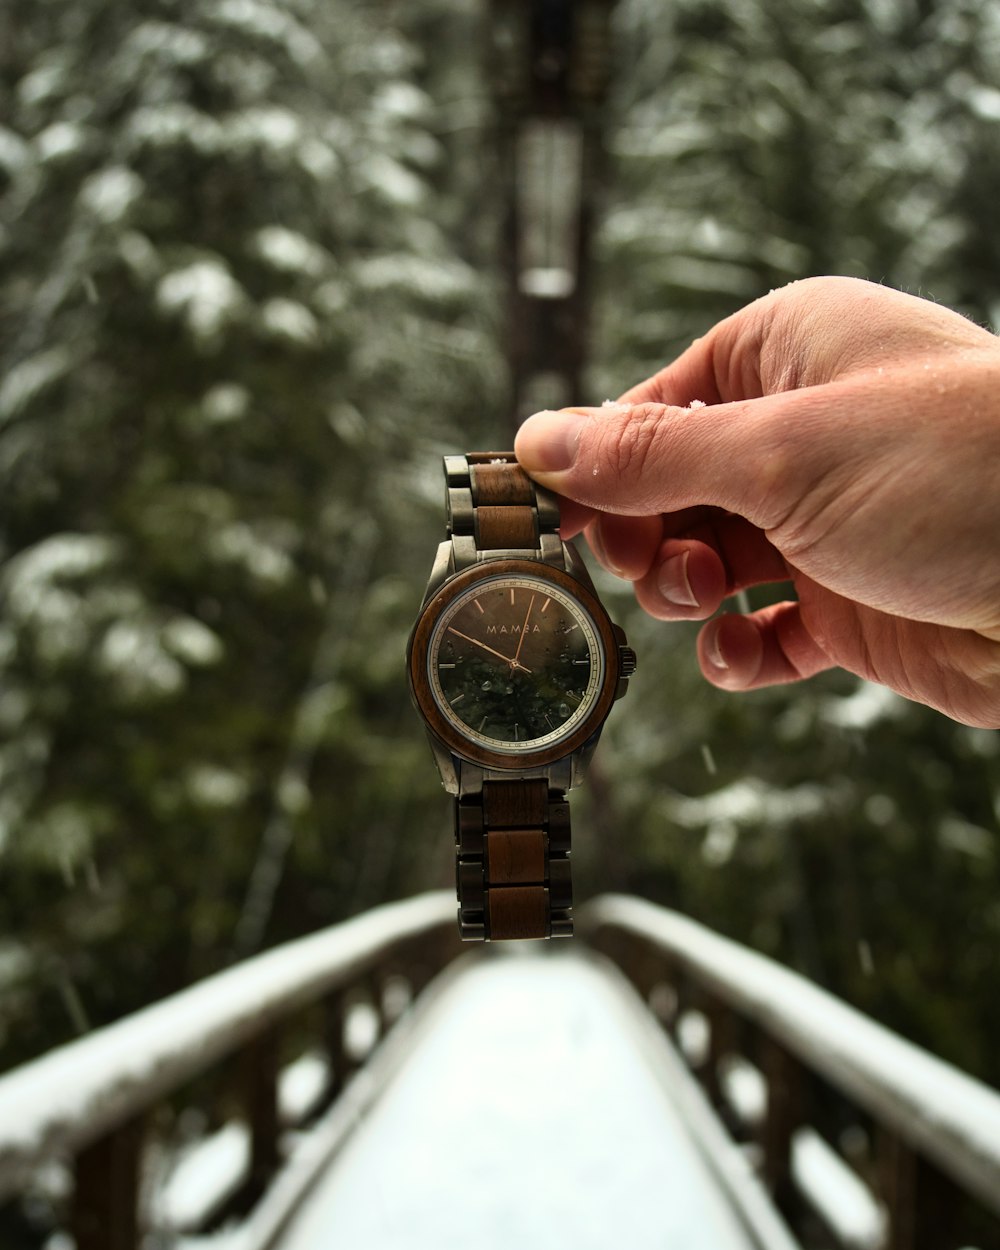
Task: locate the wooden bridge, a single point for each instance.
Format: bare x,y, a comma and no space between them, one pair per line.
378,1085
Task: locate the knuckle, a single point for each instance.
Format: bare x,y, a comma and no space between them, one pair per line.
630,444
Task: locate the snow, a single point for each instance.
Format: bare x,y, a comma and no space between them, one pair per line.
837,1193
952,1117
361,1031
28,378
317,159
58,556
43,82
267,127
744,1089
436,279
526,1115
239,543
110,193
225,402
211,786
192,641
749,802
51,1105
267,22
211,1169
547,283
402,100
205,295
394,183
139,254
208,1171
36,592
15,154
693,1037
300,1086
984,102
288,319
174,124
864,707
289,251
59,140
132,655
167,42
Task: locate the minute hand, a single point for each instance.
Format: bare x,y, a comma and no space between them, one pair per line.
476,643
524,629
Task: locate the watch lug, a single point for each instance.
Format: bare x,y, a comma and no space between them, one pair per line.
576,567
447,764
581,759
442,568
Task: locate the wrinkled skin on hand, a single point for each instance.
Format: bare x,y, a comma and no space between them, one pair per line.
834,434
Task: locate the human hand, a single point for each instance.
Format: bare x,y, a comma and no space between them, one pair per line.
836,434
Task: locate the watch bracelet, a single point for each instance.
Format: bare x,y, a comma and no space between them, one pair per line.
512,849
495,509
512,837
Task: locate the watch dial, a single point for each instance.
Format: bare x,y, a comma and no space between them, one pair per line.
516,663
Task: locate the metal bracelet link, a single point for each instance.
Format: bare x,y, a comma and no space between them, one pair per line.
493,501
513,878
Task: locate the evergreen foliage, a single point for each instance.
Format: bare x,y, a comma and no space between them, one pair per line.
235,330
248,297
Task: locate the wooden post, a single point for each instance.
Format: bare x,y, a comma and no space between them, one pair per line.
785,1113
336,1052
260,1099
105,1208
376,991
921,1203
721,1043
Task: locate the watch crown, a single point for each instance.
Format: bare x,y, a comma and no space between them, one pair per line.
626,661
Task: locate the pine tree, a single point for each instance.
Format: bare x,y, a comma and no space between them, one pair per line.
234,324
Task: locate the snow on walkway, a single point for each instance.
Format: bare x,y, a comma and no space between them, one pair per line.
526,1116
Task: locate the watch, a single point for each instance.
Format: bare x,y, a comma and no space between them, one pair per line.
513,665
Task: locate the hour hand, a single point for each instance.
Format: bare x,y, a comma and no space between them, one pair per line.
476,643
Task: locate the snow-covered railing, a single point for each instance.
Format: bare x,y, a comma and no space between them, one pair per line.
88,1102
781,1058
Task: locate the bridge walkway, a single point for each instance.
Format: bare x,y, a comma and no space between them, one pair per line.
538,1106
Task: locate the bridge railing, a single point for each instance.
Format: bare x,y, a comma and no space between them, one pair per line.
786,1066
801,1076
89,1104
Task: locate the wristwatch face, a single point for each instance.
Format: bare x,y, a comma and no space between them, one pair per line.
515,664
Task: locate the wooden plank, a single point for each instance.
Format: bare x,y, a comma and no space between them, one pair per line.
105,1208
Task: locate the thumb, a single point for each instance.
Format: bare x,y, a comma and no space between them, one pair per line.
645,458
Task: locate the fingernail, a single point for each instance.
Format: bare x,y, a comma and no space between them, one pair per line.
713,651
548,441
673,581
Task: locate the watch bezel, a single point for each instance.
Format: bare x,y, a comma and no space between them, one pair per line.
445,730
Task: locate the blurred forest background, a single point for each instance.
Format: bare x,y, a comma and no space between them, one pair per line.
249,295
